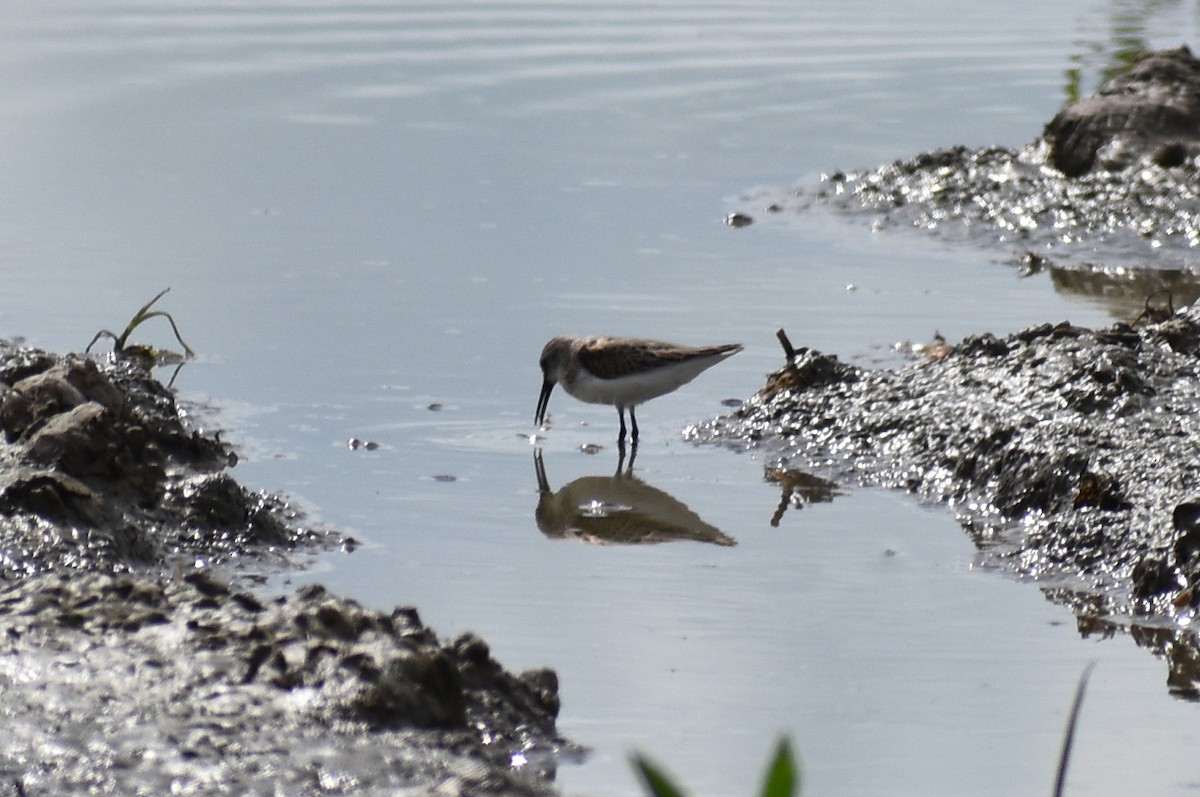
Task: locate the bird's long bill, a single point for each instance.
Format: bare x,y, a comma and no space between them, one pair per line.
543,402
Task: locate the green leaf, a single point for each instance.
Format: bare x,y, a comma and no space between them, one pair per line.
138,318
656,782
783,776
121,344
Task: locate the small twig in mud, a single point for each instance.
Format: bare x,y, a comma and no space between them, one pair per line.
1064,757
788,351
789,375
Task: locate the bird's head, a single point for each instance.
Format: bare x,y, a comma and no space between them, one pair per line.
555,361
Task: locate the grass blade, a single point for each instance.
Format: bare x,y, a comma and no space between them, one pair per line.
1064,757
137,319
121,344
102,333
175,329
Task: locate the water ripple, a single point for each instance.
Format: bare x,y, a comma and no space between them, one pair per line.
635,53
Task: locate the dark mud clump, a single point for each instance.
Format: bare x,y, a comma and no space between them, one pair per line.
99,471
1068,453
1150,113
183,685
1117,169
127,667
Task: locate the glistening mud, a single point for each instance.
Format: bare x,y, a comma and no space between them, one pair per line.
124,669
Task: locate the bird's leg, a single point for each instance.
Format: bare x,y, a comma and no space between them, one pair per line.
621,415
621,457
539,470
633,423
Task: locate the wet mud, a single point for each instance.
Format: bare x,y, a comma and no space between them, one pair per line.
100,472
1067,453
1113,176
129,666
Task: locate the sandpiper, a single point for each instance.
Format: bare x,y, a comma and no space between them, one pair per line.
623,372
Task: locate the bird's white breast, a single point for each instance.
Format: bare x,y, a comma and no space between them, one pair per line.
634,389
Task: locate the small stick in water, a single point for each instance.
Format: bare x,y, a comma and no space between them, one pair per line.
788,350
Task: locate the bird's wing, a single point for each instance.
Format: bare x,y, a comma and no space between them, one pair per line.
609,358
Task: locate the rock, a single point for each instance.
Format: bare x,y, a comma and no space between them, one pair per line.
1152,110
88,443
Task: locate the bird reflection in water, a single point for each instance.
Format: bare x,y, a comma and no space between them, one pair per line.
617,510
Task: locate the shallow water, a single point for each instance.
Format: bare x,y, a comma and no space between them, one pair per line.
373,215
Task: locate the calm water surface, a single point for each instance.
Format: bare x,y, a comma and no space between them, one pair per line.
372,216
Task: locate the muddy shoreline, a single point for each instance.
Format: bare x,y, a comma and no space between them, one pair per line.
1111,177
1066,453
130,664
